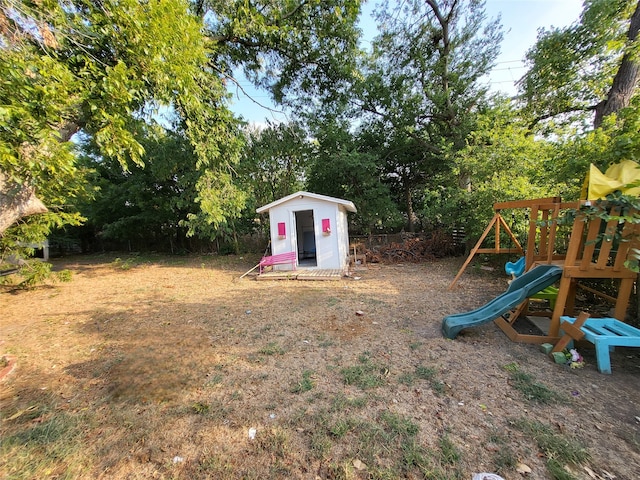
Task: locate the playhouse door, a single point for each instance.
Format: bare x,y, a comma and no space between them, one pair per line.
306,238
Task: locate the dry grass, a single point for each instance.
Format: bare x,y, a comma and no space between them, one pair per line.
159,367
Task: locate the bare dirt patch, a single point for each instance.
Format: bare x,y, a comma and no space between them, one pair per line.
158,368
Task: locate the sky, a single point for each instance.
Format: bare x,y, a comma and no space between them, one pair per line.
520,20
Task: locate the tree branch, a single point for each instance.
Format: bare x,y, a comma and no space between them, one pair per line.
16,201
540,118
239,87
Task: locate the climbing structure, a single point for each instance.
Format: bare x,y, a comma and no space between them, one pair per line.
597,249
497,224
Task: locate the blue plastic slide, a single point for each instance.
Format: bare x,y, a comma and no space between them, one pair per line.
519,290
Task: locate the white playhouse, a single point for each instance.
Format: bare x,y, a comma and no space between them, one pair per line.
309,229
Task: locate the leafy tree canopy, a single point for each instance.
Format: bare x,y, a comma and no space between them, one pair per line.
587,70
421,86
102,68
297,49
345,166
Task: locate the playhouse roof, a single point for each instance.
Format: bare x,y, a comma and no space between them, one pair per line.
346,203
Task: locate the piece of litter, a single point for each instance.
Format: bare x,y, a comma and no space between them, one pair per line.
522,468
359,465
178,459
357,278
248,312
461,404
252,433
272,416
591,473
486,476
637,419
359,313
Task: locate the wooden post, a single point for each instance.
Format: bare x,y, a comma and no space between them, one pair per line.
474,250
571,332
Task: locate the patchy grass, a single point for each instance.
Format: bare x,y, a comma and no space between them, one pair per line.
272,348
385,447
504,459
532,390
366,374
429,374
305,384
561,451
49,445
163,369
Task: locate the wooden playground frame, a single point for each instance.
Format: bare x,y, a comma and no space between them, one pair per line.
497,223
590,255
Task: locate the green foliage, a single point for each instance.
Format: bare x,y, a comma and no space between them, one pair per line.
419,90
33,98
627,209
343,168
404,130
100,69
104,68
300,51
501,161
614,141
271,166
572,68
35,272
144,205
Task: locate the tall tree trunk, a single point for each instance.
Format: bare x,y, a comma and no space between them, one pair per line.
411,216
626,79
16,201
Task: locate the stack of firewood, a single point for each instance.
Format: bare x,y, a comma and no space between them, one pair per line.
438,244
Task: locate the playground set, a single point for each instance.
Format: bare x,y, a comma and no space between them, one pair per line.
593,248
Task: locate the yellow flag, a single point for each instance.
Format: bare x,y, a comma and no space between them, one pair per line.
617,177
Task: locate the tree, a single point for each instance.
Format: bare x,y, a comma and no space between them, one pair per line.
300,51
20,202
422,84
100,67
589,69
344,166
502,161
144,206
273,162
626,78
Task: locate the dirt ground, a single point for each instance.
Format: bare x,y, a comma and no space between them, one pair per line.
159,367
